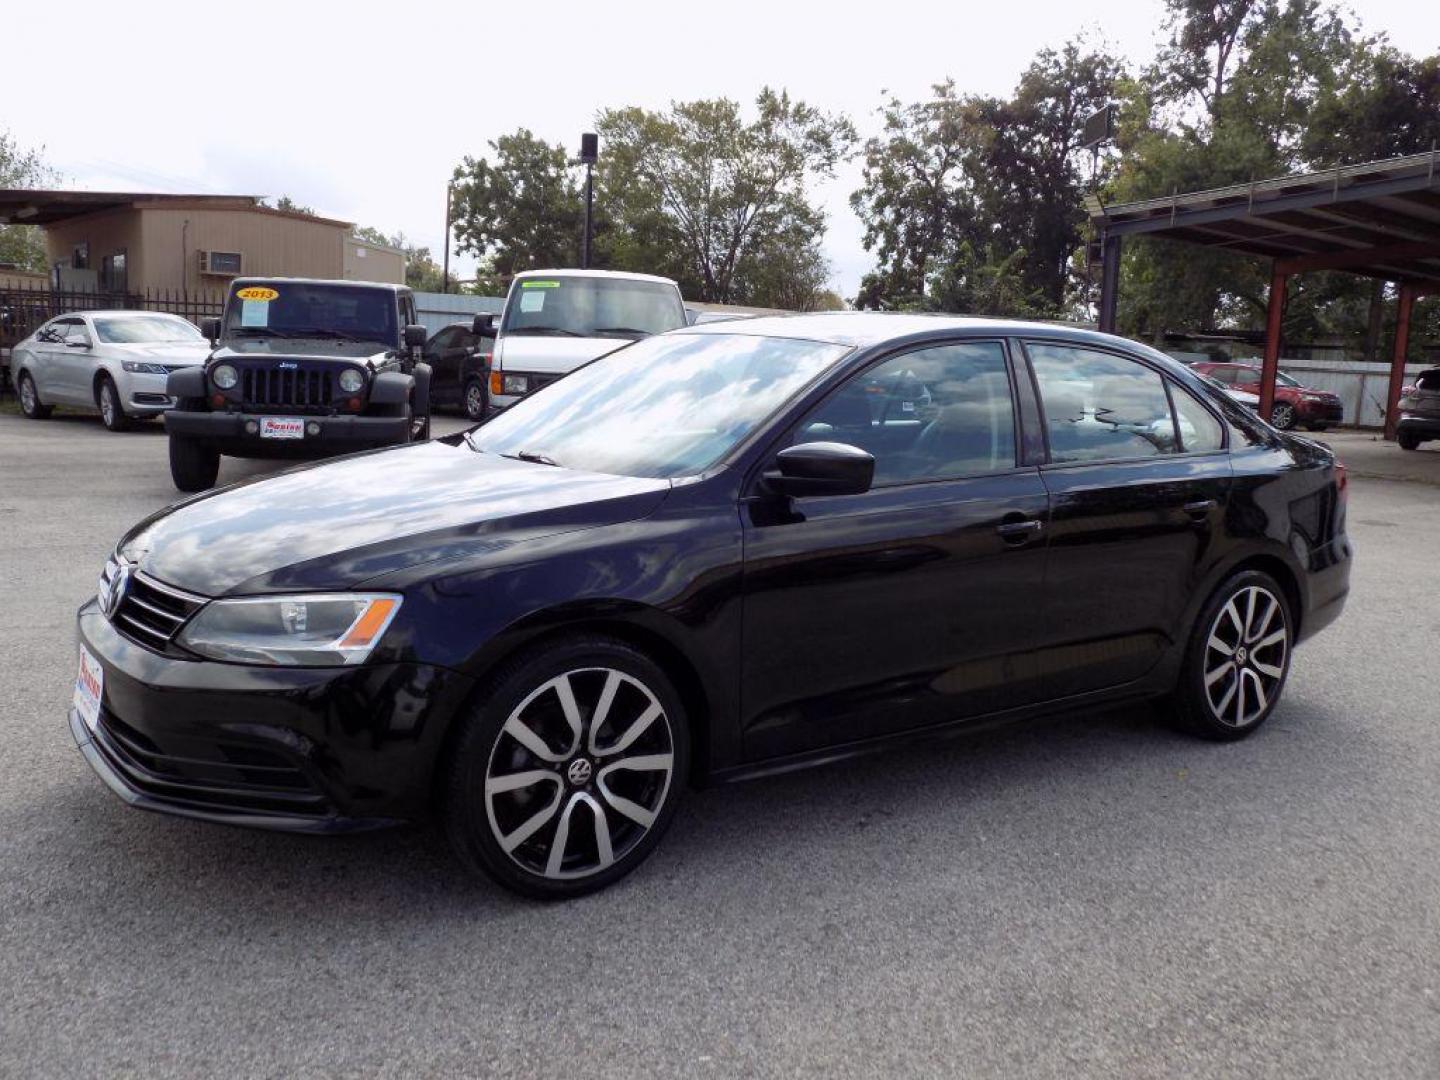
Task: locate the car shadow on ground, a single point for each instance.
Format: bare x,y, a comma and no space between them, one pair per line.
834,816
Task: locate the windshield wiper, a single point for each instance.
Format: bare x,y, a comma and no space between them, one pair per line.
621,330
470,442
532,457
544,330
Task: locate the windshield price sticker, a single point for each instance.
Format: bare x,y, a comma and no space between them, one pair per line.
532,301
255,313
539,284
257,294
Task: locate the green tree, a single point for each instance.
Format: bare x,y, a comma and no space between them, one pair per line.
523,210
23,245
422,273
290,206
701,190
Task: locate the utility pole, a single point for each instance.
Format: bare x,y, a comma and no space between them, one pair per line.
589,154
449,188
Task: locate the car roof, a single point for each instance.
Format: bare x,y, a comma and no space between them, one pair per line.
241,282
866,328
621,275
118,313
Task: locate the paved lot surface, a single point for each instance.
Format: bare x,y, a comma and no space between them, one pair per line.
1094,897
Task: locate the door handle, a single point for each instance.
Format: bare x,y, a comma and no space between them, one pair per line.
1200,509
1017,532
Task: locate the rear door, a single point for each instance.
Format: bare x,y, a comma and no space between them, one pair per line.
442,356
913,603
1139,478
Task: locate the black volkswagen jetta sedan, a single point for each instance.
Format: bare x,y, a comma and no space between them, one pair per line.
727,550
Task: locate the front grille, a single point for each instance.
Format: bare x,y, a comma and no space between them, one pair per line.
145,610
304,388
209,775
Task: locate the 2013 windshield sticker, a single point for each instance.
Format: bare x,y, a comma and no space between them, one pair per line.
257,294
539,284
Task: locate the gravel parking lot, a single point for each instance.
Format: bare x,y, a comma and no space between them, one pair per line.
1095,896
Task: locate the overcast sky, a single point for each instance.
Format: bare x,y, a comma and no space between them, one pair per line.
361,110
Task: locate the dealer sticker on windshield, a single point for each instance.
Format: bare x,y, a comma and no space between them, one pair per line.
257,294
282,427
539,284
89,687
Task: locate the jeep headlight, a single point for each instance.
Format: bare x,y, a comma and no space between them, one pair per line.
351,380
307,630
225,377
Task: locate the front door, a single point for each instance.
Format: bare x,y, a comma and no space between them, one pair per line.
912,604
73,363
1138,479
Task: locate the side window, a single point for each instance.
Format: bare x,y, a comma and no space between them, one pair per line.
933,414
1100,406
1199,430
50,332
76,332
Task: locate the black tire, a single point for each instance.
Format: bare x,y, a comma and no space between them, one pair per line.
1282,416
30,399
193,465
1408,441
107,400
1215,704
473,399
501,832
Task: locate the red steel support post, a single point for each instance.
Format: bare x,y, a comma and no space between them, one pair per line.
1275,313
1397,362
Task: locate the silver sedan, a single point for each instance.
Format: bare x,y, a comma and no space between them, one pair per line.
115,362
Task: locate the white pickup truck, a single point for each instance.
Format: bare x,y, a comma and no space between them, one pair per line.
556,320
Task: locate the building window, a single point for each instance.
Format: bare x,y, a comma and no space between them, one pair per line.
112,273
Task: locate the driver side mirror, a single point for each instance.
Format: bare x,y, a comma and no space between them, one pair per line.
415,336
484,325
210,327
821,468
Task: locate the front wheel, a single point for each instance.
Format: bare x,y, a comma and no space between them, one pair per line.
1237,659
107,399
30,399
1282,416
193,465
568,771
475,399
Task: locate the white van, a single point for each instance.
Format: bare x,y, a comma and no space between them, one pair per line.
556,320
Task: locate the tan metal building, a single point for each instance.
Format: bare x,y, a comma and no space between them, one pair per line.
136,242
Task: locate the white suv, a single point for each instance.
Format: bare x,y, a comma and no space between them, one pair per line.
556,320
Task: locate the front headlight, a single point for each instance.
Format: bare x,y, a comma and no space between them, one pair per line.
136,367
225,377
308,630
516,384
351,380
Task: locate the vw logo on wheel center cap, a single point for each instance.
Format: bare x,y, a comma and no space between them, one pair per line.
578,772
1241,655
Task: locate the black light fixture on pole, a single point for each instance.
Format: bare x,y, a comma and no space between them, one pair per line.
589,154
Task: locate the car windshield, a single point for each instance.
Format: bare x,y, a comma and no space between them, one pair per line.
295,309
592,307
668,406
144,329
1287,380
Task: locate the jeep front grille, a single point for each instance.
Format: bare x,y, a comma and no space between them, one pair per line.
288,388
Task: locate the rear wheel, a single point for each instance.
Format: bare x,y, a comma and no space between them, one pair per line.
1237,659
107,399
1408,441
568,771
1282,416
475,399
193,465
30,399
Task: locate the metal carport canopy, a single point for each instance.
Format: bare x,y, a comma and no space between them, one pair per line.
1380,219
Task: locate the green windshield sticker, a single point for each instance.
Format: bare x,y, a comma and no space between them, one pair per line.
539,284
254,313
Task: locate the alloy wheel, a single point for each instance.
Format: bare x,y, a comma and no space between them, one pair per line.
1282,416
28,400
474,401
579,773
107,404
1246,656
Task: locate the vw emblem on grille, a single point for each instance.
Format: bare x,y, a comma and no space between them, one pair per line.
112,594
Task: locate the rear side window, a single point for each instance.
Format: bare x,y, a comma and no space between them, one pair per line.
1429,381
1199,430
1099,406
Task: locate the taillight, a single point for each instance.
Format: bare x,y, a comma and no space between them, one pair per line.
1342,481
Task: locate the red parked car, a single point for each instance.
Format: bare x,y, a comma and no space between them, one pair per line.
1294,402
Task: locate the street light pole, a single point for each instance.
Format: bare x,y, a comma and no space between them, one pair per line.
589,153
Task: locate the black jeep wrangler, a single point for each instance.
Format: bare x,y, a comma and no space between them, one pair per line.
300,369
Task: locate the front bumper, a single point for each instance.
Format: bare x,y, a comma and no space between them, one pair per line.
337,434
314,750
1320,412
1421,425
143,394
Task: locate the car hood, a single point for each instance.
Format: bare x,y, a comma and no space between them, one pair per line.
163,352
547,355
303,349
336,524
